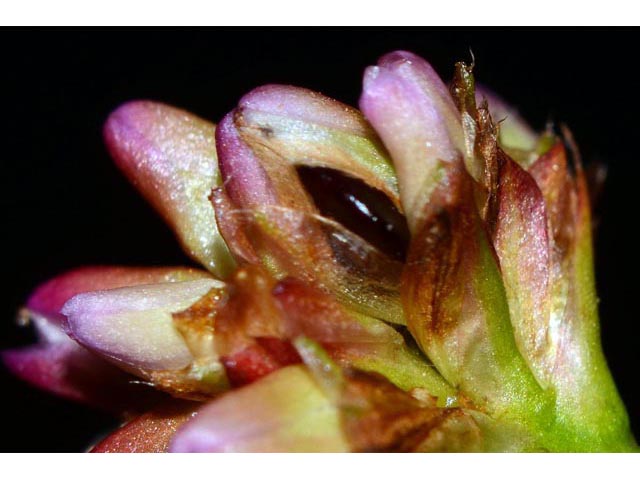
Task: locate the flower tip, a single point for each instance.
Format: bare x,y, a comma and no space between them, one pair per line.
42,366
226,136
127,108
64,368
268,97
120,122
244,179
170,156
11,360
398,57
413,67
129,135
133,326
369,83
131,130
49,297
413,112
283,106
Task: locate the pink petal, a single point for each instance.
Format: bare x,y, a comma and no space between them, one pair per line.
170,155
283,412
69,370
306,105
419,71
307,128
133,326
278,127
412,111
246,181
59,364
49,297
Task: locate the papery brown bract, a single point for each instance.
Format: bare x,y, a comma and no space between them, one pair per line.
378,417
62,366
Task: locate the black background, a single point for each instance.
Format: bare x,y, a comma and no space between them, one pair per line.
64,204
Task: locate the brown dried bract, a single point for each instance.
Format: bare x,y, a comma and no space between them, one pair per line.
432,278
377,417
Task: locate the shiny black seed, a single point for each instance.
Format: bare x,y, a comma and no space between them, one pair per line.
367,212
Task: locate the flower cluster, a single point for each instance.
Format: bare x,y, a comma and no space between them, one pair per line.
413,276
